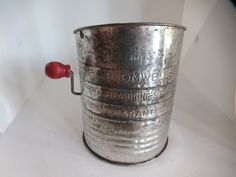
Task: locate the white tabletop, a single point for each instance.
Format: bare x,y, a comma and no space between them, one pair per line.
45,140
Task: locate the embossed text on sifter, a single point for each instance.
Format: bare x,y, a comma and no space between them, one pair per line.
128,76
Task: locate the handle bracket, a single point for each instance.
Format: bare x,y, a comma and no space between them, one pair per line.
72,86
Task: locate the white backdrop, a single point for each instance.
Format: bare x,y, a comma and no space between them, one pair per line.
34,32
209,60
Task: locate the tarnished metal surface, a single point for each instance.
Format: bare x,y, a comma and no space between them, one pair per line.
128,76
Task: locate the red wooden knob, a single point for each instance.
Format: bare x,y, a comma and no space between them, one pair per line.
57,70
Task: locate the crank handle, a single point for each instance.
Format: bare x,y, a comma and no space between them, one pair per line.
57,70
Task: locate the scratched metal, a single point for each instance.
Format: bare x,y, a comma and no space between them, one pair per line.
128,76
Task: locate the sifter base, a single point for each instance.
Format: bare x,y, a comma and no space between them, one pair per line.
124,163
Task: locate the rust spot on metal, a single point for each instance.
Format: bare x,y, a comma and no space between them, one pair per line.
88,61
81,35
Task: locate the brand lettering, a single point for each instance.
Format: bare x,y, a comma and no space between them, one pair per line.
116,76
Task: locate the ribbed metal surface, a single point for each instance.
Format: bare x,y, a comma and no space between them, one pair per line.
128,76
